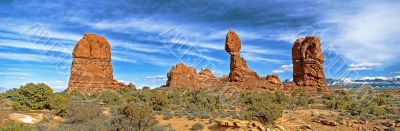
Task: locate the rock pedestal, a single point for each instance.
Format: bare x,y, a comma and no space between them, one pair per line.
239,71
91,70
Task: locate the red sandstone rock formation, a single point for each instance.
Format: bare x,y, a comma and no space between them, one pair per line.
131,86
240,76
308,62
274,79
207,79
239,72
181,76
91,70
206,75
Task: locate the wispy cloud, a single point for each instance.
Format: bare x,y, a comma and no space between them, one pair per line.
284,68
157,79
363,66
14,74
29,57
366,33
56,85
255,58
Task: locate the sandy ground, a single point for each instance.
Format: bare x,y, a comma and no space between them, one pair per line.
291,120
184,124
28,118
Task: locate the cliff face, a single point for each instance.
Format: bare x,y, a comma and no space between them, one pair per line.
91,70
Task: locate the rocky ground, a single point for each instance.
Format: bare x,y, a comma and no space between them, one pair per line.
291,120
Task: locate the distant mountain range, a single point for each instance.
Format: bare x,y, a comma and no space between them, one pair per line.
377,82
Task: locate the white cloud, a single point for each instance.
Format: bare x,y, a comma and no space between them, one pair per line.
36,46
121,59
57,85
254,57
14,74
156,79
376,77
284,68
363,66
30,57
126,82
366,34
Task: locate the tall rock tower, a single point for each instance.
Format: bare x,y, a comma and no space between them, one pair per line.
308,62
239,71
91,70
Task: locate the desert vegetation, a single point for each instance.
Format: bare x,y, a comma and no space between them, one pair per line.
137,109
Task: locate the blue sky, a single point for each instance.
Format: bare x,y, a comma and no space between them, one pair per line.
147,37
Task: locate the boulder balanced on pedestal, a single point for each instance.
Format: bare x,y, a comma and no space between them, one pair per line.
239,71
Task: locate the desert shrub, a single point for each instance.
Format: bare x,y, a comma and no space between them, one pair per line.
16,126
84,117
167,115
368,106
110,98
59,103
95,124
4,103
162,128
199,100
265,107
136,116
77,96
124,91
82,113
30,96
145,88
159,101
197,127
340,100
362,104
383,99
175,99
299,98
130,97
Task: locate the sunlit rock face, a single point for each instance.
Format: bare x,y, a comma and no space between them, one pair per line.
182,76
91,70
308,62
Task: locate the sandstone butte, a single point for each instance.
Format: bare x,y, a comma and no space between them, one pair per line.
182,76
91,70
308,60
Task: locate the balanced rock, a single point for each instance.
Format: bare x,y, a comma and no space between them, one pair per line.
239,71
181,76
91,70
308,62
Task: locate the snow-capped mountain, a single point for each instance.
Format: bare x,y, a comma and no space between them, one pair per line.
380,81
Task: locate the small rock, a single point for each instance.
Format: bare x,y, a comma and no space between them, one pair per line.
306,126
280,128
376,129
